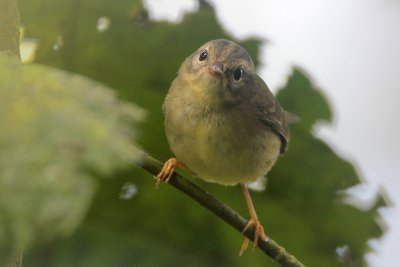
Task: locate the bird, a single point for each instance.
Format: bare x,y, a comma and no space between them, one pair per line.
222,122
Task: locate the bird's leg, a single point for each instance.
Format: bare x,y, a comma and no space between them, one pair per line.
258,228
168,169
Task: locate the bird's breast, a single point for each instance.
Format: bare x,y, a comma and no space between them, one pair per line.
223,146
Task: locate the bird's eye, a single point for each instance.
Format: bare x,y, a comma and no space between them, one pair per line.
203,55
237,74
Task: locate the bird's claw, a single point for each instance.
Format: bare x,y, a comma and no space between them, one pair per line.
166,172
258,232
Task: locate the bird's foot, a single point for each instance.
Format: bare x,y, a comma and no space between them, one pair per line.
258,233
167,170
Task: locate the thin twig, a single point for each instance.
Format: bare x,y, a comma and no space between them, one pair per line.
270,247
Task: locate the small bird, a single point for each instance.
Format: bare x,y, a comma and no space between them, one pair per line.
222,122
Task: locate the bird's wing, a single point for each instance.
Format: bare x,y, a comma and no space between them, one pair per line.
270,112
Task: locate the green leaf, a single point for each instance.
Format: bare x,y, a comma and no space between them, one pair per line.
59,131
313,106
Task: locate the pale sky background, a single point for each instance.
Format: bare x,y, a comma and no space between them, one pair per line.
351,49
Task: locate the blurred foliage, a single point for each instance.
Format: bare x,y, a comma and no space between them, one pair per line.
301,207
317,178
58,132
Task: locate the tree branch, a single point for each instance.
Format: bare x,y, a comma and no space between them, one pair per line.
9,45
9,27
270,247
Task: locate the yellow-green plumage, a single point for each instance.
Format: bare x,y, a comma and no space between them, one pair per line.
224,130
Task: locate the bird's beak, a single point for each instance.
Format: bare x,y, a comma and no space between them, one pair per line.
216,69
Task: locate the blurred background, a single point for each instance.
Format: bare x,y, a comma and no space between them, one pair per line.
93,82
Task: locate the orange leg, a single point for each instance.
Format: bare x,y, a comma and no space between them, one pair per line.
258,228
167,170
